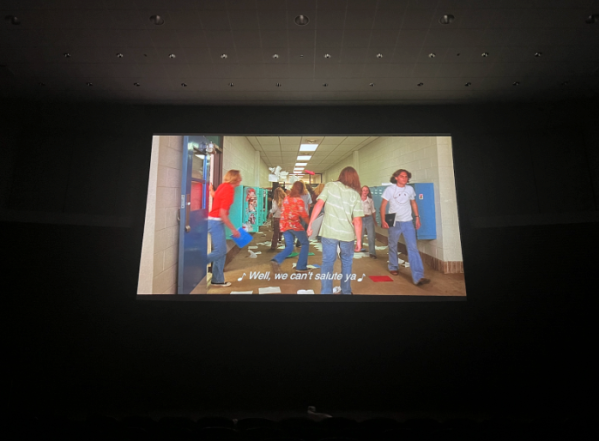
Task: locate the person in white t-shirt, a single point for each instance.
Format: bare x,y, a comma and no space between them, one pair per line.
402,201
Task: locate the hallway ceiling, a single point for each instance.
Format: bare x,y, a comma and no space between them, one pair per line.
380,51
284,150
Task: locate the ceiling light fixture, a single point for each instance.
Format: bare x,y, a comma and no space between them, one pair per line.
565,83
379,55
468,84
157,20
308,147
13,20
301,158
301,164
89,84
457,55
172,56
325,85
538,54
327,55
41,84
224,56
136,84
516,83
275,56
371,84
278,84
67,55
446,19
301,20
420,84
432,55
594,18
231,84
484,54
119,55
183,85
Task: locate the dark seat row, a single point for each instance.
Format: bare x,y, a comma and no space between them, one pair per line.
136,428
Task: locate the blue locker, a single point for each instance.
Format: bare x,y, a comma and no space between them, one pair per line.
425,199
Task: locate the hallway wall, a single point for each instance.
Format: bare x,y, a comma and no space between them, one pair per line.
239,154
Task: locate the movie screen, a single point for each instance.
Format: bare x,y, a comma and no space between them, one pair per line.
335,217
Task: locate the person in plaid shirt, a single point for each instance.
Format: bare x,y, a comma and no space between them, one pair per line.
292,209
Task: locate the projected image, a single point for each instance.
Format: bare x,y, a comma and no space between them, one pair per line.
302,215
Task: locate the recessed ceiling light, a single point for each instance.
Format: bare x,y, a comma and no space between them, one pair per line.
379,55
67,55
89,84
484,54
224,56
231,84
157,20
446,19
538,54
308,147
432,55
301,164
119,55
325,85
303,158
183,85
301,20
457,55
13,20
327,55
565,83
590,19
302,56
420,84
468,84
278,84
136,84
172,56
516,83
41,84
275,56
371,84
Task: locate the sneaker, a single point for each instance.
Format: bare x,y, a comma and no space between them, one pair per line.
363,250
301,270
221,284
423,281
276,268
373,256
394,272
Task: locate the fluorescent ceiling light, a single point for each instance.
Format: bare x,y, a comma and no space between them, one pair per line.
303,158
308,147
299,164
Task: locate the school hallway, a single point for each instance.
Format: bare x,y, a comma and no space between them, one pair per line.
249,270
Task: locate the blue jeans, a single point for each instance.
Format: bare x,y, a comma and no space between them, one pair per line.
290,236
219,250
409,234
368,225
329,255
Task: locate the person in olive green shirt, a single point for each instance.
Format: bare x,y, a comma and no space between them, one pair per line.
342,224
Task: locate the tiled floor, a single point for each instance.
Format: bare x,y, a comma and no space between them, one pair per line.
440,285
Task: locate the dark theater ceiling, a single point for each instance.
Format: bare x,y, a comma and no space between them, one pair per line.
254,52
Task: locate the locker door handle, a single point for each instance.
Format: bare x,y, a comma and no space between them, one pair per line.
187,209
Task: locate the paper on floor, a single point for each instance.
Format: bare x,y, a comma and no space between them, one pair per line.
242,292
252,255
269,290
381,248
336,290
306,291
253,247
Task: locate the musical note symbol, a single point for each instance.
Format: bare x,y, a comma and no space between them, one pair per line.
361,278
241,278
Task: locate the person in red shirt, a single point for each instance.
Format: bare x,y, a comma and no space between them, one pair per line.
218,218
292,209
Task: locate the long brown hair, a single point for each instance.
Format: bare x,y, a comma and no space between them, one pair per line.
397,173
349,177
319,188
296,189
369,194
279,195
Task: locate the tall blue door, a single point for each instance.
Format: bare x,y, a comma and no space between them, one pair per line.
193,226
